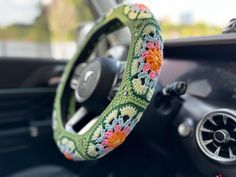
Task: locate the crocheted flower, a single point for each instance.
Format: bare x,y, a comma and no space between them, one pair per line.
140,8
67,147
153,59
149,59
112,139
139,11
113,131
147,62
114,134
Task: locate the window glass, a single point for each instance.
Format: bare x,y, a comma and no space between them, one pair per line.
40,28
187,18
47,28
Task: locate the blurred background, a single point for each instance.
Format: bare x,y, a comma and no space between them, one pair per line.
47,28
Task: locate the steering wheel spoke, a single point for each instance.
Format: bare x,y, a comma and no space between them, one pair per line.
79,115
118,80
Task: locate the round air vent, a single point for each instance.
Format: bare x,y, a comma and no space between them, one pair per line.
216,135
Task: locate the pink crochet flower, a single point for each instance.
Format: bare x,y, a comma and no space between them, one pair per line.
152,57
114,138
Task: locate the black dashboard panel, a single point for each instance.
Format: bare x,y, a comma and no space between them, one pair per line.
211,86
219,47
209,68
206,79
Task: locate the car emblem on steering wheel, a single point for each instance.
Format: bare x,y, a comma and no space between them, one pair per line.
87,76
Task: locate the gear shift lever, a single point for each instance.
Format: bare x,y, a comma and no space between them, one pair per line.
165,96
175,89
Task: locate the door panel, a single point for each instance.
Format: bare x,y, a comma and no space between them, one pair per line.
26,101
28,73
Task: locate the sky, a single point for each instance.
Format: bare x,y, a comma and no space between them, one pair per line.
12,11
19,11
215,12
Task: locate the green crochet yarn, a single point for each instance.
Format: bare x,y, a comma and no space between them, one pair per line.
136,90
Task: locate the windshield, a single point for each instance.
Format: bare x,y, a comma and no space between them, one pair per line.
40,28
187,18
47,28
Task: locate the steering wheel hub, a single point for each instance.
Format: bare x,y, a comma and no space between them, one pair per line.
88,81
95,83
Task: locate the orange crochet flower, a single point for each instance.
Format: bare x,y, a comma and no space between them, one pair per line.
154,58
116,139
112,139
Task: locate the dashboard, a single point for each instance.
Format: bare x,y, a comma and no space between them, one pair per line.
211,88
207,111
182,126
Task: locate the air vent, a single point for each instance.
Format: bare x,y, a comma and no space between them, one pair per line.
216,136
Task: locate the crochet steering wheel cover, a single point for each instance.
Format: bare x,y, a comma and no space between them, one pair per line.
137,87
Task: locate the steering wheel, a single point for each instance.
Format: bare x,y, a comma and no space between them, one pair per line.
110,129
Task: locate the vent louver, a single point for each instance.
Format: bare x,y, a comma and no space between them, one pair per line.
216,135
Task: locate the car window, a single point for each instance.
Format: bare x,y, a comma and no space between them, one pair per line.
187,18
40,28
47,28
